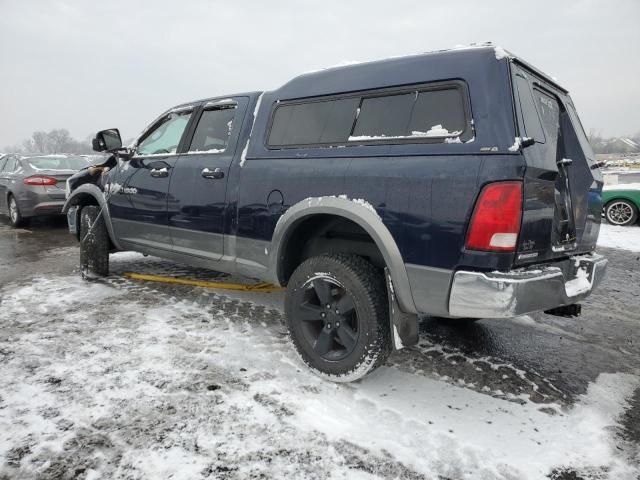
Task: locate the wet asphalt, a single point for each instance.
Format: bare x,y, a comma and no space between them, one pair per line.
549,359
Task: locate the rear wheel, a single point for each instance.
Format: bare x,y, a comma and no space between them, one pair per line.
94,243
337,314
15,217
621,212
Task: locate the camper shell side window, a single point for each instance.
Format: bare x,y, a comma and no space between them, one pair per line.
432,113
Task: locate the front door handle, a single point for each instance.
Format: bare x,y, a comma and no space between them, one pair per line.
159,172
214,174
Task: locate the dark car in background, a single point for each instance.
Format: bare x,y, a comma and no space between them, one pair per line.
34,185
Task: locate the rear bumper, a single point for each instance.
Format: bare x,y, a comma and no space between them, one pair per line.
35,200
508,294
41,208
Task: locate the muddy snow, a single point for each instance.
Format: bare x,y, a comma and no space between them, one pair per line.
153,387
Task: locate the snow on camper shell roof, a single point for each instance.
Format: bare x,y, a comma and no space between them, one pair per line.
433,65
339,77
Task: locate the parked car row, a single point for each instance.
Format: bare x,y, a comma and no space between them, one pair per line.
34,185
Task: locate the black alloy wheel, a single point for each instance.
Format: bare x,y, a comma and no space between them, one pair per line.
328,316
337,313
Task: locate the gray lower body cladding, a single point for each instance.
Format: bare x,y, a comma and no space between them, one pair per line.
430,289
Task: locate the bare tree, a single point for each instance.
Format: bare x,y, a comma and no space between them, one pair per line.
55,141
27,146
58,139
39,141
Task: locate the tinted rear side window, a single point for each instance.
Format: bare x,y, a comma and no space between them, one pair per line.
405,116
320,122
213,130
385,116
438,107
549,111
433,113
530,117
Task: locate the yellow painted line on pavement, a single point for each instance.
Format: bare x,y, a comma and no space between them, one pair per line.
256,287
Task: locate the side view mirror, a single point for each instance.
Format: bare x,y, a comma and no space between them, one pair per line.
107,140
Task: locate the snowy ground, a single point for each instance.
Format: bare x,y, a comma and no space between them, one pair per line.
613,236
121,379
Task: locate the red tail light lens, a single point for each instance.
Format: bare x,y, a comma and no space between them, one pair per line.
495,223
40,180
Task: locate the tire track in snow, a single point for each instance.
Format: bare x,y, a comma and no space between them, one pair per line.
130,381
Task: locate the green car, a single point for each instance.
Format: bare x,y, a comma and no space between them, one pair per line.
621,203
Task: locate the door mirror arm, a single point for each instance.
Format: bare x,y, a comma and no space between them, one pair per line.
125,153
527,142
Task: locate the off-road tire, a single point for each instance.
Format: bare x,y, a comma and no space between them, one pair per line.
15,216
94,242
628,209
366,287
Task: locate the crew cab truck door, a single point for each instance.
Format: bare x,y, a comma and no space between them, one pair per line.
197,212
138,190
562,189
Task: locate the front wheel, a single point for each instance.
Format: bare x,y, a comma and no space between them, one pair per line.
94,242
621,212
338,316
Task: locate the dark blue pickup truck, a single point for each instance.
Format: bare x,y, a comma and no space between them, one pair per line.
457,184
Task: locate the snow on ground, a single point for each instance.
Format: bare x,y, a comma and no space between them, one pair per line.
100,385
613,236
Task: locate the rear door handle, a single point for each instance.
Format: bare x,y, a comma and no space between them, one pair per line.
214,174
159,172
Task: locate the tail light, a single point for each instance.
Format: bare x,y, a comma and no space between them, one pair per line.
495,222
40,180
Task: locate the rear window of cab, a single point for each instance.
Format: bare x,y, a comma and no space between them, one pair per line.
425,114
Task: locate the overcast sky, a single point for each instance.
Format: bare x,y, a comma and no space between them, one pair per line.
88,65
